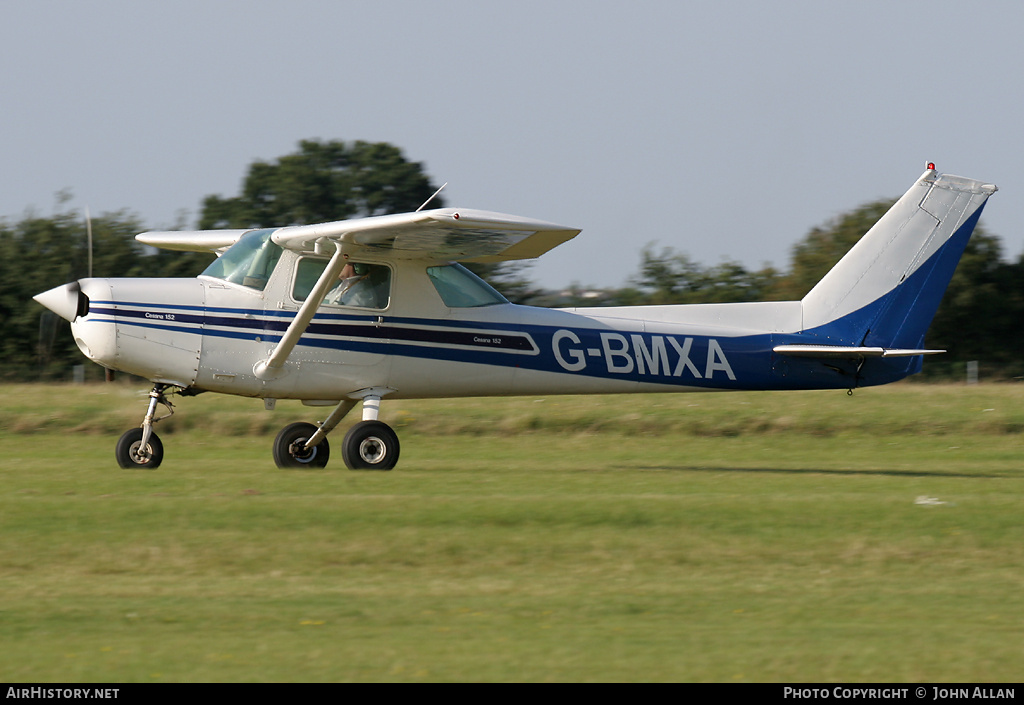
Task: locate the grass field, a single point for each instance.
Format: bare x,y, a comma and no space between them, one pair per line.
737,537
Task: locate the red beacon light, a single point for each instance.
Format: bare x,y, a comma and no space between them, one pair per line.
931,166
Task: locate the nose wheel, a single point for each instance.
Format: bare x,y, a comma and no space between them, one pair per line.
140,448
133,454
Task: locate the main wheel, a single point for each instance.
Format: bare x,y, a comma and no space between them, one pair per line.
129,451
290,453
370,445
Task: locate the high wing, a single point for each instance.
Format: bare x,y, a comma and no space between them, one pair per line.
441,234
192,241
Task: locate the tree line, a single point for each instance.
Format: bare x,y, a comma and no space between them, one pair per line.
979,318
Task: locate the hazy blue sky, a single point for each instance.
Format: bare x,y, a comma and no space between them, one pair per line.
725,130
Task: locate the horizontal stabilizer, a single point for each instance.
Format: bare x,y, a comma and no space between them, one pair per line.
847,351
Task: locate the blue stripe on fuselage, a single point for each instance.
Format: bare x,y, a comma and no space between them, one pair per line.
592,352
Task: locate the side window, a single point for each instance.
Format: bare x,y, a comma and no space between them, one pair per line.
360,285
306,274
460,288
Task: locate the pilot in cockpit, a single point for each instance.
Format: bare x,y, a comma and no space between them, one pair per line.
363,285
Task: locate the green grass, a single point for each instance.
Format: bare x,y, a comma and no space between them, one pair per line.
733,537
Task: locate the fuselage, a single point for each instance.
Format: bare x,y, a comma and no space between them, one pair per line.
422,340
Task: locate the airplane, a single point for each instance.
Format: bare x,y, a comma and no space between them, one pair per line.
356,311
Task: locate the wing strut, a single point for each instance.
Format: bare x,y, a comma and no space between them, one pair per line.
273,366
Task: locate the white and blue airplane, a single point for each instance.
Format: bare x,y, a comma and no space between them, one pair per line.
357,311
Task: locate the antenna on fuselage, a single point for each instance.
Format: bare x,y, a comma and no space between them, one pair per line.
431,197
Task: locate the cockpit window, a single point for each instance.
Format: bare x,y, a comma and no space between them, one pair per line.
359,284
248,262
460,288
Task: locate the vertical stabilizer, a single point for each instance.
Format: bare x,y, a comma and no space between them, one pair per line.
885,291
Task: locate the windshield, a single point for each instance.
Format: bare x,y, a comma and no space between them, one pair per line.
248,262
460,288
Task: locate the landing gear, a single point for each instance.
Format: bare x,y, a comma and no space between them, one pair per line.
141,447
132,454
370,445
290,449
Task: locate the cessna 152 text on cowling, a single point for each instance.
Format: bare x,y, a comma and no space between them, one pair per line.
357,311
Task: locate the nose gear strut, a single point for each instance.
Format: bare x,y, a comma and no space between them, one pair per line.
141,448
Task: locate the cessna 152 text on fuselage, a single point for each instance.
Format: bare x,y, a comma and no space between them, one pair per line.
356,311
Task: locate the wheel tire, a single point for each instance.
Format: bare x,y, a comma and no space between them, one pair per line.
288,445
127,451
370,445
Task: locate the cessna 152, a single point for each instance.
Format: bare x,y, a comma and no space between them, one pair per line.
358,310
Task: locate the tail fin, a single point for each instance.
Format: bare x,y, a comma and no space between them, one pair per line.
885,291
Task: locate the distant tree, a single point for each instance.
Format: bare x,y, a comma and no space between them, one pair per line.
171,263
326,181
669,277
981,315
731,282
322,182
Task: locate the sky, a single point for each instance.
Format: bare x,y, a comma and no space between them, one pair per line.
722,130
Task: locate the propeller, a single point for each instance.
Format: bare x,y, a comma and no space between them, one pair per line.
69,301
88,238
